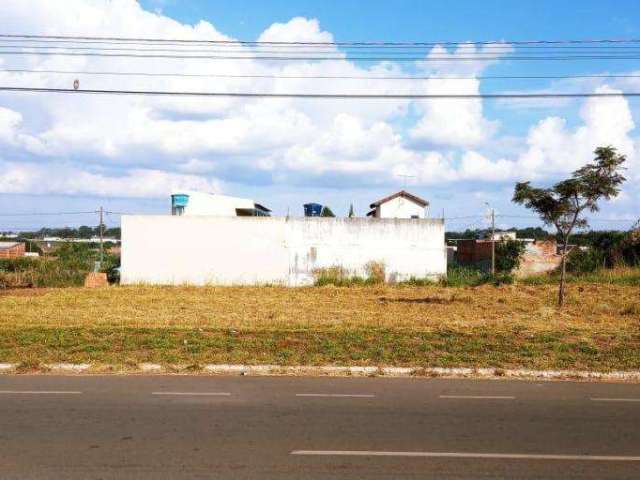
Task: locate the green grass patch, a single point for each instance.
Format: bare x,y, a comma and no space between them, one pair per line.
480,347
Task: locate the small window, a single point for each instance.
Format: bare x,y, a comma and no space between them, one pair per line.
415,216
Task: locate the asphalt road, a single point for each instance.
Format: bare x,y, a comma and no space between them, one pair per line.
180,427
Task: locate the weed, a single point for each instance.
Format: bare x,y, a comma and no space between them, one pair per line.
375,272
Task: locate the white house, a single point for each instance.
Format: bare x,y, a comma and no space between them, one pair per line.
401,204
188,203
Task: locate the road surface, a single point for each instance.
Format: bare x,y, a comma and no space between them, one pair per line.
181,427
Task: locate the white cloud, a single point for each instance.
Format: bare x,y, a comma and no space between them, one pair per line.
475,166
9,123
455,122
64,179
298,29
554,149
145,146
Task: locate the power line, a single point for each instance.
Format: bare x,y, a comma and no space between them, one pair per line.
577,45
464,217
331,47
505,49
341,57
341,43
44,214
320,95
313,77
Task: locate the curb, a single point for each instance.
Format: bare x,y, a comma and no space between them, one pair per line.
325,370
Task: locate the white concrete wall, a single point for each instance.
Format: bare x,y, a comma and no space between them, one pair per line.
258,250
401,207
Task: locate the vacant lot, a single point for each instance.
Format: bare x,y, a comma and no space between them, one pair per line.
506,326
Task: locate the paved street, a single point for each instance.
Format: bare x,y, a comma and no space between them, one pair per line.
175,427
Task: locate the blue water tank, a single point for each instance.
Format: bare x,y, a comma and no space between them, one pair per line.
312,209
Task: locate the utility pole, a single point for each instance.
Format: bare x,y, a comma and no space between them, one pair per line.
493,241
101,230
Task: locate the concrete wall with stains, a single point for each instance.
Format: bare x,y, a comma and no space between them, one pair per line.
204,250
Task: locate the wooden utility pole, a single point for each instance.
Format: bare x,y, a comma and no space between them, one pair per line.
493,241
101,231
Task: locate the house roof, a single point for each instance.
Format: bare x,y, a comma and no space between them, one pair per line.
261,207
401,193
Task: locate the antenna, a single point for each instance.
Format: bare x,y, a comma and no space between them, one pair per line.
405,177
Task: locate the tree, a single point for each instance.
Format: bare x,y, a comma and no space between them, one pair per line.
563,204
508,255
326,212
351,212
85,232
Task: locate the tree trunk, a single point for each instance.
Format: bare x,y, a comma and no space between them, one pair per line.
563,272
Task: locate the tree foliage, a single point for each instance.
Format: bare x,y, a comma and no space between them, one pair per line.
508,255
327,212
563,204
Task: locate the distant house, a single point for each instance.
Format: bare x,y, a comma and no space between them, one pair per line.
499,236
188,203
539,255
12,249
401,204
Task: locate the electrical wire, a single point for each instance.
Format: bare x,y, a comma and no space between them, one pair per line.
505,50
341,43
448,58
321,95
314,77
44,214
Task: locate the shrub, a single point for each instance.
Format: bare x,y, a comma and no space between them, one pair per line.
508,255
585,261
418,282
465,276
340,277
39,272
375,272
68,267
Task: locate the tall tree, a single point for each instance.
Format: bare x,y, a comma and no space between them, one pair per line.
351,212
563,204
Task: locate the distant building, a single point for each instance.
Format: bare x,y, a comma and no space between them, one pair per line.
498,236
12,249
539,255
189,203
401,204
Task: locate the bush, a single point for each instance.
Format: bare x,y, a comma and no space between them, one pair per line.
508,255
376,272
627,251
585,261
39,272
465,276
418,282
69,266
341,277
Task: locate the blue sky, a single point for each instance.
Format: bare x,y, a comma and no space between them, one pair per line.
406,20
127,154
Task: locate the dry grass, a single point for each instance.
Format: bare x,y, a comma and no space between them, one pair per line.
504,308
508,326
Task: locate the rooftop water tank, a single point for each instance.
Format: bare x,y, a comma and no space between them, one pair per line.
312,209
